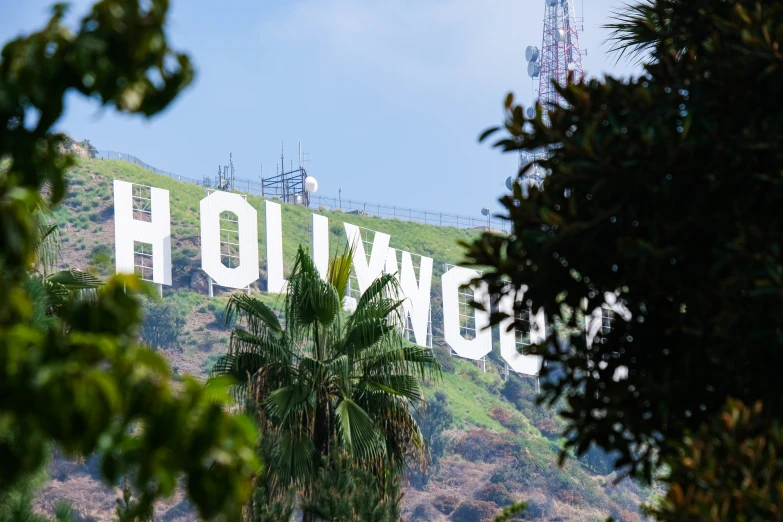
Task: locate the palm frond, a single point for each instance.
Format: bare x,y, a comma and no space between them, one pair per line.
365,334
312,300
407,358
240,367
47,252
637,28
292,457
339,271
405,386
75,280
339,370
357,431
382,288
256,315
68,284
287,400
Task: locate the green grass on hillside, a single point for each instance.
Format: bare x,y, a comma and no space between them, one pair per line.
440,243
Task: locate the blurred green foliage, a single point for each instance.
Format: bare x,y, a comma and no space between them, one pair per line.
81,381
730,469
664,191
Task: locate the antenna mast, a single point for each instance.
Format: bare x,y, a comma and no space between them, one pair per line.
559,60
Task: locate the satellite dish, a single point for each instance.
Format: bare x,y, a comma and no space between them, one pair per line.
571,66
530,112
485,211
561,35
531,53
533,69
298,199
509,183
552,3
311,184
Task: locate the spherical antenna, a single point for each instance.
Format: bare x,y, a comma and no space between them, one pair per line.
311,184
510,183
485,211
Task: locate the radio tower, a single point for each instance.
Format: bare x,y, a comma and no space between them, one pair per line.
559,57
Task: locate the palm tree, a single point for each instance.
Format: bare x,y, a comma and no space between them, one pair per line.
638,27
49,288
325,383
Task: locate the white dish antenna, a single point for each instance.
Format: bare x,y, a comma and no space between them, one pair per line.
532,53
485,211
533,69
531,112
509,183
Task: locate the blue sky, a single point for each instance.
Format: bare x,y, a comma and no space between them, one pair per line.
388,97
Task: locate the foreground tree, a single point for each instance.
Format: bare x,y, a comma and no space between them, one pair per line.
325,384
664,192
79,380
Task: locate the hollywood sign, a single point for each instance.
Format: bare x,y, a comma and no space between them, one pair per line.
416,293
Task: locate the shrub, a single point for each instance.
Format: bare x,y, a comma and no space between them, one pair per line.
521,472
497,493
513,390
423,513
627,516
548,427
162,325
220,319
101,255
487,446
511,420
571,497
474,511
446,504
444,358
472,373
433,421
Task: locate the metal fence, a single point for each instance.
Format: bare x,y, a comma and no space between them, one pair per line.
427,217
347,206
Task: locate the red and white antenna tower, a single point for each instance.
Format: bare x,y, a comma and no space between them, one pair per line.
558,60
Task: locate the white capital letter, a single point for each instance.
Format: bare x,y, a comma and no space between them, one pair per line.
366,272
275,282
247,222
481,345
321,244
156,232
416,295
527,364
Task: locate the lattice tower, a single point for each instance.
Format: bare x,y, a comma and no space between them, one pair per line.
559,56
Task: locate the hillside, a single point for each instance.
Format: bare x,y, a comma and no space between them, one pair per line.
496,445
